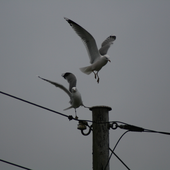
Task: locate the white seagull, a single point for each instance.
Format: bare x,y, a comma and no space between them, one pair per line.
75,96
98,58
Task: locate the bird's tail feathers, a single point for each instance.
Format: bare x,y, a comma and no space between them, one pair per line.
85,106
69,108
86,70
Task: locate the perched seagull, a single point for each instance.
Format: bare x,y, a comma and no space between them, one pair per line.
98,58
75,96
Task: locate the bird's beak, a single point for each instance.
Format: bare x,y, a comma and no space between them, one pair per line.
109,60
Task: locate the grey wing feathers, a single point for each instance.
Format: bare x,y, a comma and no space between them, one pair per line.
87,39
106,44
71,78
57,85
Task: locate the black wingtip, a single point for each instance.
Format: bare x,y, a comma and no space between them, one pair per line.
39,76
66,18
69,21
113,36
65,74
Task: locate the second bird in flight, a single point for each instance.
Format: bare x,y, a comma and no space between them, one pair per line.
98,58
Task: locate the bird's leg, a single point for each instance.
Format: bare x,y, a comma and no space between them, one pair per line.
98,77
94,75
76,117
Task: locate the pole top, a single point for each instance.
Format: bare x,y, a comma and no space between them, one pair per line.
100,107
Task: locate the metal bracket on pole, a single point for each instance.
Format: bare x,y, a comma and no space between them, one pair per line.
82,125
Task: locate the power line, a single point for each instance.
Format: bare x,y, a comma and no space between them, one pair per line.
133,128
128,128
112,124
26,101
112,150
152,131
14,164
70,117
119,159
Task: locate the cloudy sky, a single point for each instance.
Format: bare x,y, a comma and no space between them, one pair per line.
36,40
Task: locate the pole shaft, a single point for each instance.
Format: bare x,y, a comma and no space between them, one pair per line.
100,137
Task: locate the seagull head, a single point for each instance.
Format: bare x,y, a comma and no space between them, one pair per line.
74,89
107,57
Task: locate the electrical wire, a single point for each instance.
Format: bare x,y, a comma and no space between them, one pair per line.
134,128
119,159
14,164
123,126
45,108
129,128
115,125
152,131
114,150
126,125
69,117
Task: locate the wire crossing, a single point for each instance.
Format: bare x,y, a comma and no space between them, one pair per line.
111,125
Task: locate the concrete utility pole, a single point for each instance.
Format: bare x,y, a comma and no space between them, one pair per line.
100,137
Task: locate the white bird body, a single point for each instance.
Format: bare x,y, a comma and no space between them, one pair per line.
96,66
98,58
73,93
75,99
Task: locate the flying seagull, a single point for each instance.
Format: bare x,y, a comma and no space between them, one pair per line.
75,96
98,58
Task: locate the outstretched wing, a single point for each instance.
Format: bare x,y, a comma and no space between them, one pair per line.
71,78
87,39
57,85
106,44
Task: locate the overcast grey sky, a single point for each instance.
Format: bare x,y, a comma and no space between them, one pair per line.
36,40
